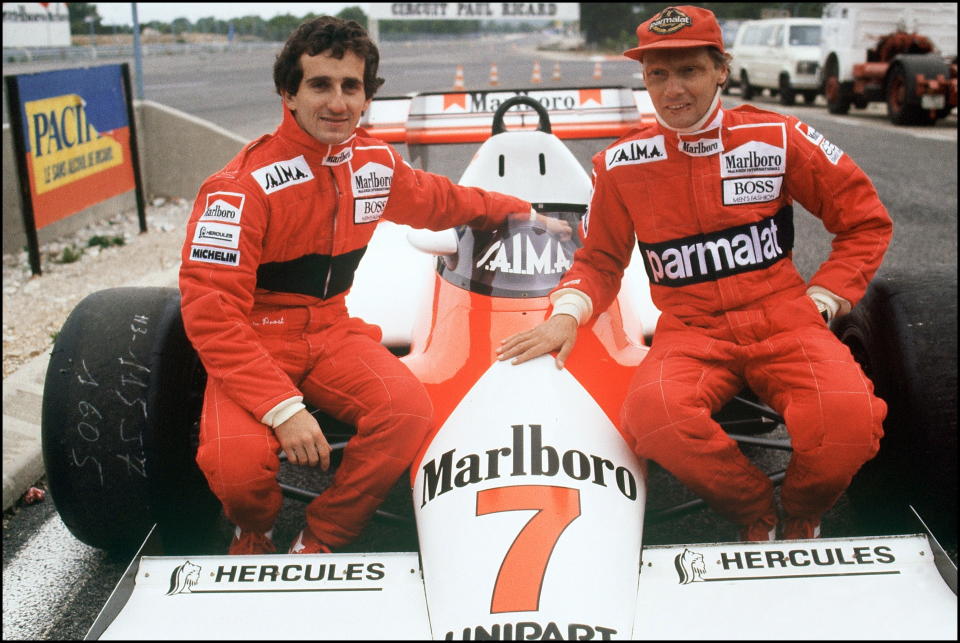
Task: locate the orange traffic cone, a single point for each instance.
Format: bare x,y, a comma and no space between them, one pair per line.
597,71
556,71
458,79
535,78
494,76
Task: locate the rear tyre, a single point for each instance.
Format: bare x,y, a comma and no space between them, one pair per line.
904,334
809,96
118,426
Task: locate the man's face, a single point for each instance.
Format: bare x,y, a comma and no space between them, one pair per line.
330,100
681,83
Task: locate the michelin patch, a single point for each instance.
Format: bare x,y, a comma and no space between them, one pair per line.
647,150
373,179
217,234
283,174
226,207
215,255
368,210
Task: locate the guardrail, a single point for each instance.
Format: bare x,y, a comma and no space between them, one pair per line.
107,52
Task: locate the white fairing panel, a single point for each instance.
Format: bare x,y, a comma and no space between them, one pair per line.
563,179
301,597
392,284
514,475
825,589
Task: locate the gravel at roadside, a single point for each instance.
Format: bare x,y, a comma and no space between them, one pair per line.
106,254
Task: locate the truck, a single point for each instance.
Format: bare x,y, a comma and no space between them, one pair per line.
902,54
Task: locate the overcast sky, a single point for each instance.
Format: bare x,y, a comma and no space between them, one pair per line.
120,12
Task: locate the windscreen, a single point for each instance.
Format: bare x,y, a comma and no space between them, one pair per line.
519,259
802,35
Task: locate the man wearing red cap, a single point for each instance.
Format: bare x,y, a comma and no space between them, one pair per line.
707,194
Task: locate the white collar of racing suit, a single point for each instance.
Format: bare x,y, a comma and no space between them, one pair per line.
713,116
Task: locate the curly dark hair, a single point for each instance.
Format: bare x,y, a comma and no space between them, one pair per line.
318,35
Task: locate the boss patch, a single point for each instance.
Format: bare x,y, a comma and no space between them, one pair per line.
753,189
368,210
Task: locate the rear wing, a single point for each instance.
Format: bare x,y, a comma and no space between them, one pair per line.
465,116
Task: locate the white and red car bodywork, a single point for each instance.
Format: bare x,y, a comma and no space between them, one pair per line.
529,502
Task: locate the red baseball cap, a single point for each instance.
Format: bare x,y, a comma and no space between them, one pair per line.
675,28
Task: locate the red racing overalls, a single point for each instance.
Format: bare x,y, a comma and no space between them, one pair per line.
712,213
271,248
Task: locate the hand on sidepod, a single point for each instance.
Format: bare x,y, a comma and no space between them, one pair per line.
558,332
302,440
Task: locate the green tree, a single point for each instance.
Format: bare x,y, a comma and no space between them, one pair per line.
180,25
78,12
280,27
354,13
609,23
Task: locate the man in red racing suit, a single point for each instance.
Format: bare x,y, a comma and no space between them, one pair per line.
271,248
707,195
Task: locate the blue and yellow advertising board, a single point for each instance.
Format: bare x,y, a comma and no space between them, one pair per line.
76,142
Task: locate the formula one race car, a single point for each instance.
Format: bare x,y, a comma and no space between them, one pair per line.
529,505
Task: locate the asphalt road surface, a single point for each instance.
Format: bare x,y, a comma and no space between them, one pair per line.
54,586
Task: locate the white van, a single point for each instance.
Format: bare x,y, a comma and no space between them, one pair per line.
779,54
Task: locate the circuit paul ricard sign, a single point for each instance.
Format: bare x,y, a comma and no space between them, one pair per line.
75,143
564,11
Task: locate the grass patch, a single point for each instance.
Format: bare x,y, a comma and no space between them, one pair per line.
105,242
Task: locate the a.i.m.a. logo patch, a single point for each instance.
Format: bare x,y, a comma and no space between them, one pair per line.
671,20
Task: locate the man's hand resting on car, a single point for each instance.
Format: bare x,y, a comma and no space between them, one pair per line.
558,332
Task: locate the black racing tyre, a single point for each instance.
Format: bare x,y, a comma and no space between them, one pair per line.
746,91
809,96
903,104
838,95
904,334
121,402
788,95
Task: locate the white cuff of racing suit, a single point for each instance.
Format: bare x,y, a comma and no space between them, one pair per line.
827,302
573,302
283,411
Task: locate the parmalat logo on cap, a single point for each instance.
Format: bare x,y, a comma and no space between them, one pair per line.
670,20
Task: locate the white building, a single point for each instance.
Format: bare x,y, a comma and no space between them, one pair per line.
36,24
